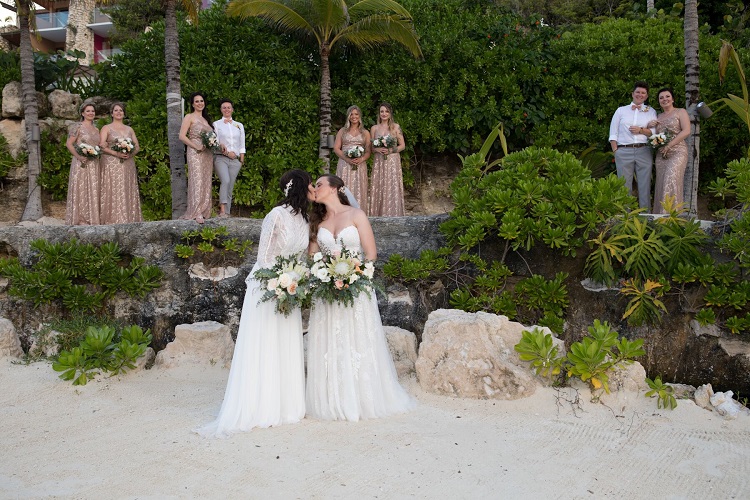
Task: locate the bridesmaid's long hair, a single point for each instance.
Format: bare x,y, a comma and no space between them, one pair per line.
318,212
349,113
391,124
204,113
294,184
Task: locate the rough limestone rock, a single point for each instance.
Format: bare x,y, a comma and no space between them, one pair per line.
703,395
471,355
13,101
728,407
10,345
403,346
15,136
204,342
64,104
45,344
626,382
200,271
146,360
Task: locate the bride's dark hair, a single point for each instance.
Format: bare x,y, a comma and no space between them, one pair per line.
294,184
318,212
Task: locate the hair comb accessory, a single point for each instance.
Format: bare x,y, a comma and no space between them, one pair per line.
342,190
288,187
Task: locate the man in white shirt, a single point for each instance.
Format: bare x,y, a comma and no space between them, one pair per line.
231,135
628,135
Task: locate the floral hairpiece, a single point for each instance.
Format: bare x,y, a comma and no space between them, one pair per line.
288,187
342,190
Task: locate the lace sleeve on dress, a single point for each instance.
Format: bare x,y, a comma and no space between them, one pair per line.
73,129
272,238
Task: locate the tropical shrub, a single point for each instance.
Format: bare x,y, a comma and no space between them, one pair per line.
212,247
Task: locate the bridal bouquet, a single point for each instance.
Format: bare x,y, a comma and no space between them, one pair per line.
340,276
210,141
123,145
659,140
385,141
287,282
87,150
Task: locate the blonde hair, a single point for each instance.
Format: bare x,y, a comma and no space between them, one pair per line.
392,126
348,114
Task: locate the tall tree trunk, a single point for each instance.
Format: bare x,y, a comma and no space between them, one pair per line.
325,106
692,95
33,209
174,111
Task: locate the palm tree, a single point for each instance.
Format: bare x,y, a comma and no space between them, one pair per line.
25,13
361,23
692,94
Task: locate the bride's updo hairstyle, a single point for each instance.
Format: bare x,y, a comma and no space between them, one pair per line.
319,210
294,184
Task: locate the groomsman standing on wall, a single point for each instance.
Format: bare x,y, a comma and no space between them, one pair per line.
628,135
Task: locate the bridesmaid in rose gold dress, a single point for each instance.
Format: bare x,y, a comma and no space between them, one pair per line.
200,161
671,159
121,202
353,171
387,184
83,184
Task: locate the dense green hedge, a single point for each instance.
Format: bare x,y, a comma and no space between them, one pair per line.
549,87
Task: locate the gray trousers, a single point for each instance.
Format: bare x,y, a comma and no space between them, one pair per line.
640,161
226,170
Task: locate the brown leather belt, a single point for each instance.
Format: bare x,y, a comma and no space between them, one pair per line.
639,145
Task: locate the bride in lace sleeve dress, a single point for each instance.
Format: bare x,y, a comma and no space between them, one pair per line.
350,372
266,385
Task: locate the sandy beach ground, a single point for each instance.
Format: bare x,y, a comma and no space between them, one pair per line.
130,437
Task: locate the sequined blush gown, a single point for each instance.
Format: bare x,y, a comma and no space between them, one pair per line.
386,186
350,371
121,201
355,180
200,171
670,171
82,206
266,385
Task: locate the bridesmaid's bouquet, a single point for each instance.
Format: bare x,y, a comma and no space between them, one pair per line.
287,283
210,141
340,276
354,152
87,150
123,145
659,140
385,141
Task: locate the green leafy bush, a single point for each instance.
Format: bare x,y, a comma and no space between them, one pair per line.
79,277
212,246
537,348
7,161
664,393
100,351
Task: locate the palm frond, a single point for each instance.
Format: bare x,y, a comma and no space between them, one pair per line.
365,8
284,17
379,29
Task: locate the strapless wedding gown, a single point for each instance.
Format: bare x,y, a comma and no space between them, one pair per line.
266,384
350,372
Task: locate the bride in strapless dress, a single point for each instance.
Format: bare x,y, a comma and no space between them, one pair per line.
350,372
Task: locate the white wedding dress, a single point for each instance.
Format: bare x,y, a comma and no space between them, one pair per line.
350,372
266,384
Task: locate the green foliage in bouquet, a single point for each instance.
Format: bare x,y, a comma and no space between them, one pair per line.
79,277
212,246
341,277
287,283
100,351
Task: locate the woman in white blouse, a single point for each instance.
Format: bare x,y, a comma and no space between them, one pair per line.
231,135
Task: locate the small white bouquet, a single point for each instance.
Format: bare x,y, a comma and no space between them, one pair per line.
658,140
287,282
123,145
210,141
354,152
385,141
87,151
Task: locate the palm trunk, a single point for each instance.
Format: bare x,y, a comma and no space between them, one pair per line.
649,5
33,209
174,111
325,107
692,94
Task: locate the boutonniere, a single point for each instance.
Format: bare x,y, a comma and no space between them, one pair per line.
236,125
645,109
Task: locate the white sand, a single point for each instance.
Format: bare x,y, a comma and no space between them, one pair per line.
129,437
